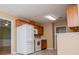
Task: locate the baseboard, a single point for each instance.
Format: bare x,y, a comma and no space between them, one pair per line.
13,53
50,48
54,48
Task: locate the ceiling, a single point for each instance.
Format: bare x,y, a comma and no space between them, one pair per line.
35,11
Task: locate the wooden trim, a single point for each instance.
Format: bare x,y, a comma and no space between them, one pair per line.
74,29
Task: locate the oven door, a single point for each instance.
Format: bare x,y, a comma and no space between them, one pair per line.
37,45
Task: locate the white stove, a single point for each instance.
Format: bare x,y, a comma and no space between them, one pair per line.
37,45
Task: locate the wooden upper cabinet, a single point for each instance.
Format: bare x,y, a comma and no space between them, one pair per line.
39,30
72,15
19,23
37,26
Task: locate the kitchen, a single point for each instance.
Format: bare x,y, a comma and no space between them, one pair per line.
44,36
69,30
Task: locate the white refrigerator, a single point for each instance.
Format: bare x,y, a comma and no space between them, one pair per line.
25,39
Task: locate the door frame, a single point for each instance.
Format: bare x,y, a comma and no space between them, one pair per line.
55,35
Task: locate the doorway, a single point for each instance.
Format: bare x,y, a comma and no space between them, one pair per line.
59,29
5,37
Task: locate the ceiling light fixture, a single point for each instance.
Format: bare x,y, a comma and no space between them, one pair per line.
50,17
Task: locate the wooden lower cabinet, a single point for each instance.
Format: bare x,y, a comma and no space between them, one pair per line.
72,15
43,44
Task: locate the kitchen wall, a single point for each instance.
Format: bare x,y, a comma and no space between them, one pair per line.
62,23
48,34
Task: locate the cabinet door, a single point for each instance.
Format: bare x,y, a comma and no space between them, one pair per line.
19,22
43,44
39,29
72,15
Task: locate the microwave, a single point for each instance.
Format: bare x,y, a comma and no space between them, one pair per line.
35,31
